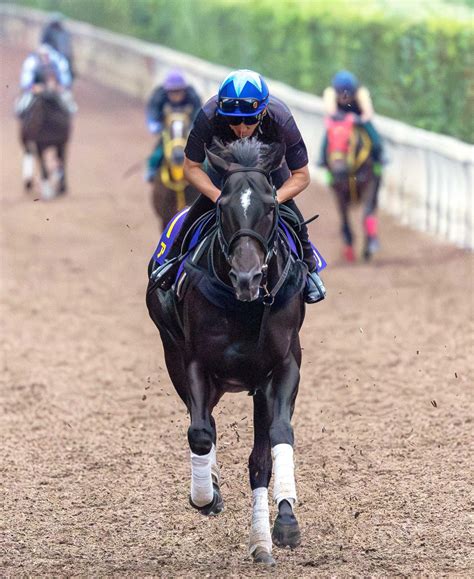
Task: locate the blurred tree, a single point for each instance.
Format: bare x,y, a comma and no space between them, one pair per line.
416,57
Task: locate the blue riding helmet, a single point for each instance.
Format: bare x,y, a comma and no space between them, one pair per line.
345,81
243,93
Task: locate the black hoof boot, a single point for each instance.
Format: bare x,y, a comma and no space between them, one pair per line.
215,507
263,557
286,531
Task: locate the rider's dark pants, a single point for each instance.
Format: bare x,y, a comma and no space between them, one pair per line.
203,204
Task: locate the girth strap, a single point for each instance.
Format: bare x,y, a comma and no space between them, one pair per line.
267,303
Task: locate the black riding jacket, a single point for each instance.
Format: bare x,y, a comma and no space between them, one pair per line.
277,126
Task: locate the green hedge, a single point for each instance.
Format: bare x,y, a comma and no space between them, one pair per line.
418,66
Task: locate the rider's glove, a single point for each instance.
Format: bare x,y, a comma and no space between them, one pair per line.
154,126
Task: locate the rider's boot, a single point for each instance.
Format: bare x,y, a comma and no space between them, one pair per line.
314,291
154,162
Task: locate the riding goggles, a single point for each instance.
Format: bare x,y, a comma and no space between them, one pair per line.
234,121
243,106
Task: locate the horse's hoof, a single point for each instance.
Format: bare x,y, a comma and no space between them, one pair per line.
371,247
47,191
286,531
263,557
28,185
215,507
349,254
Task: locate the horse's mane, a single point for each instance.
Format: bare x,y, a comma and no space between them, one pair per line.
247,152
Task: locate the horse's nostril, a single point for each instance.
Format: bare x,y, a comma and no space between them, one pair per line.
245,279
257,278
178,156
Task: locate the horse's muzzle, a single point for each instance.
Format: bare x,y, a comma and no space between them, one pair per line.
246,284
339,169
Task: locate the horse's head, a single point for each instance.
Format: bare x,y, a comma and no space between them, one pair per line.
176,128
247,211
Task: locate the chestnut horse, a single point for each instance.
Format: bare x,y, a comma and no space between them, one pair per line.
45,123
353,178
171,192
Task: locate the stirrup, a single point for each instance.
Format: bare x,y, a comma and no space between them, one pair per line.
165,274
314,290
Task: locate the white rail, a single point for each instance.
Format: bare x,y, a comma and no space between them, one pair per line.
428,184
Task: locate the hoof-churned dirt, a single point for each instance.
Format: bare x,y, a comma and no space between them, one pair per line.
95,471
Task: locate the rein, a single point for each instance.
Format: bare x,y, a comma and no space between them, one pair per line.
267,245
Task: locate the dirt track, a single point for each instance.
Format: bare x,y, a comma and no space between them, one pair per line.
95,467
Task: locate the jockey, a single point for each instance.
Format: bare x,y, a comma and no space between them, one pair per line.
45,68
346,95
176,93
244,108
55,35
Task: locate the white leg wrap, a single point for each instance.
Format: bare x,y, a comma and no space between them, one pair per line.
214,466
47,192
284,487
202,492
28,166
260,535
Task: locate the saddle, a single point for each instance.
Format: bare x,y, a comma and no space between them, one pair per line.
197,264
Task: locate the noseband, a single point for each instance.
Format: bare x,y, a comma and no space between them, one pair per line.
267,244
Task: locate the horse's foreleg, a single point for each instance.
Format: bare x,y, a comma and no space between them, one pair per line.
61,171
260,470
28,166
282,397
370,218
346,230
205,492
47,191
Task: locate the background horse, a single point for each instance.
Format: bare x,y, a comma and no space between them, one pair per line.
171,192
45,123
348,156
234,327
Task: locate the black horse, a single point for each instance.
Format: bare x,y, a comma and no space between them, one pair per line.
353,178
45,123
231,324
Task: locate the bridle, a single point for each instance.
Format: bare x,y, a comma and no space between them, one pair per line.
267,244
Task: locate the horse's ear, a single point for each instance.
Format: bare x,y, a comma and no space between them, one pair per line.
274,157
217,163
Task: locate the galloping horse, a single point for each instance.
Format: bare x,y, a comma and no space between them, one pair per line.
353,178
45,123
171,192
231,325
